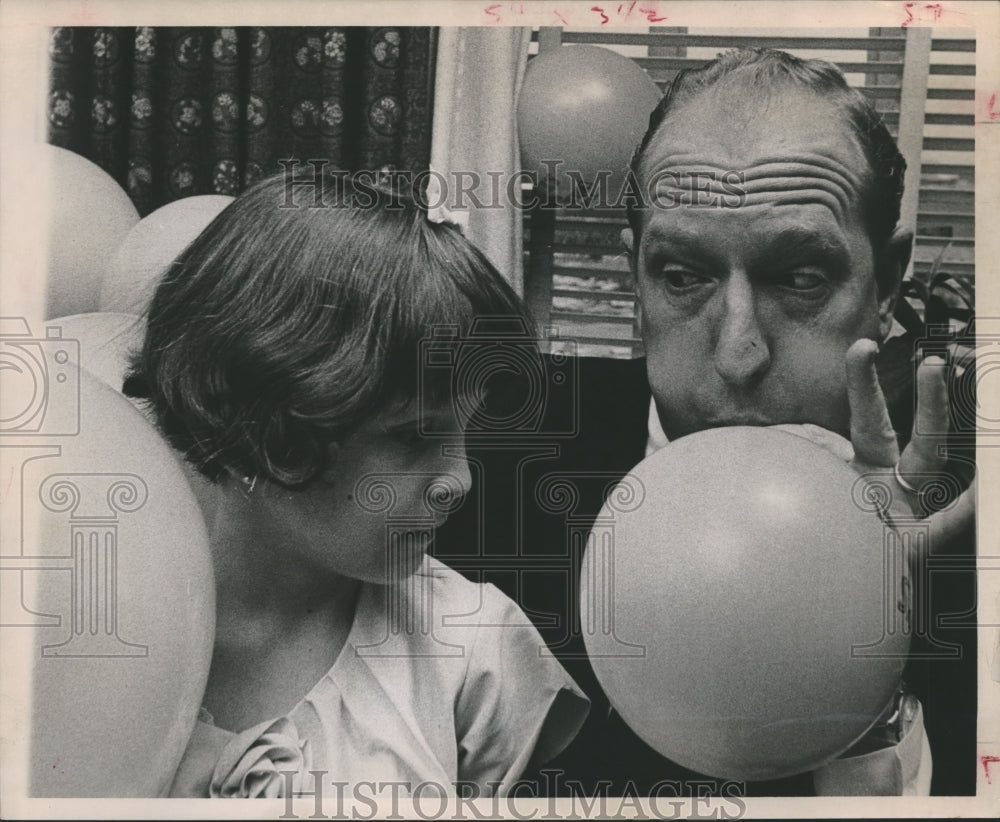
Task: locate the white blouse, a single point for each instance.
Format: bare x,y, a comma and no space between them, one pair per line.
440,679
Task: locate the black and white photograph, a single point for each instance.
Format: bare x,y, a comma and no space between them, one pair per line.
533,410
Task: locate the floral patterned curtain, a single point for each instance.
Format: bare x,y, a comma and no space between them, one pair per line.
172,112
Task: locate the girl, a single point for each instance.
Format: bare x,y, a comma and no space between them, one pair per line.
283,358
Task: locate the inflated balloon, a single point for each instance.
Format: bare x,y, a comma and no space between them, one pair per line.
736,604
151,246
587,107
89,215
119,585
107,342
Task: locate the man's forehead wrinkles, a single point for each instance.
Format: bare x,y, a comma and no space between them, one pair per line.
798,197
805,163
794,185
769,191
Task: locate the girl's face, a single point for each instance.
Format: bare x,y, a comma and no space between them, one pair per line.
371,516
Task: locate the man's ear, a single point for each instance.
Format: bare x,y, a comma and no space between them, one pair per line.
889,275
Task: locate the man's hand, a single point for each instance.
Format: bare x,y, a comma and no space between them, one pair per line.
924,458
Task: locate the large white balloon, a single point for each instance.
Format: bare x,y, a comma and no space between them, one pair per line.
89,216
746,609
106,343
136,268
118,552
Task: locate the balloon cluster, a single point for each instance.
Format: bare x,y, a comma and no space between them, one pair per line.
114,574
101,256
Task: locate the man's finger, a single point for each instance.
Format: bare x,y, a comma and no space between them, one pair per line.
925,453
872,435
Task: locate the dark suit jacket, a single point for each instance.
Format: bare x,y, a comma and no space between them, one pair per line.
537,487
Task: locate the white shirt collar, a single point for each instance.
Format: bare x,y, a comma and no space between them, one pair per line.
655,437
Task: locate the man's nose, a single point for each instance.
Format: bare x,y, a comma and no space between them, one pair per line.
741,351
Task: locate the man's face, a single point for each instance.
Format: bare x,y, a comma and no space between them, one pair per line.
747,311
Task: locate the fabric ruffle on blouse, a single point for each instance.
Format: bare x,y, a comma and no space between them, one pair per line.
440,679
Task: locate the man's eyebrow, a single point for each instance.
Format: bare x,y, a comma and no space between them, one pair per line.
675,237
796,240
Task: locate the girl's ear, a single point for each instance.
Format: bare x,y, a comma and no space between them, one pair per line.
329,473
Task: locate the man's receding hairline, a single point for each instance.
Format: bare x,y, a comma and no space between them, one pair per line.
698,98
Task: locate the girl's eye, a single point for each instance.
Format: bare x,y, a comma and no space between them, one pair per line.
410,437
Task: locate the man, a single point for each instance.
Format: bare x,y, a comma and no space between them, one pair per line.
763,310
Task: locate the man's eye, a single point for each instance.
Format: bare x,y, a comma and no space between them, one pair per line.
681,277
805,280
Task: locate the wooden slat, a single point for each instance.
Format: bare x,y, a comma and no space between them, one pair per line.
946,215
955,241
952,69
585,250
962,269
589,218
628,342
592,294
966,45
963,94
875,92
962,200
949,144
738,41
602,316
891,118
950,119
945,44
674,64
941,168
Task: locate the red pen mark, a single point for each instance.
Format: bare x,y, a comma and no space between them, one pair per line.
987,761
922,13
651,15
600,11
561,18
987,107
492,12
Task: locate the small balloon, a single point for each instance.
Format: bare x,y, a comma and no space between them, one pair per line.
586,107
117,580
89,215
151,246
747,617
